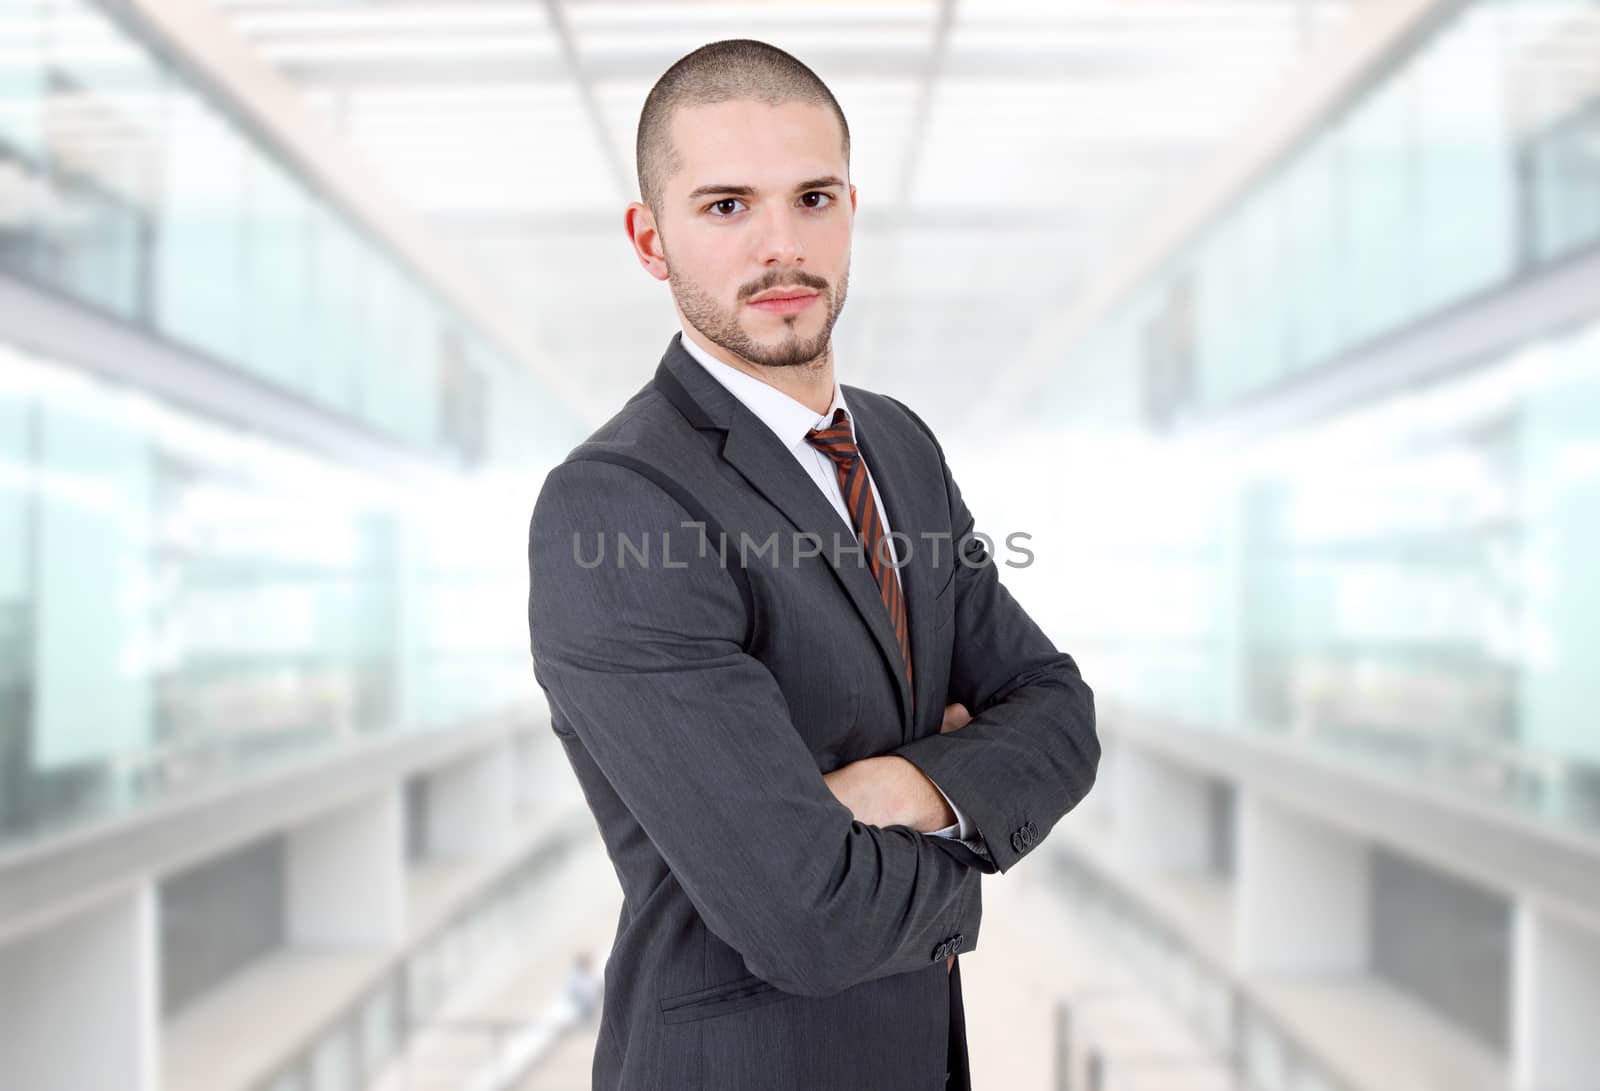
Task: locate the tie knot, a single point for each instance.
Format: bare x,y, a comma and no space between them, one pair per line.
835,440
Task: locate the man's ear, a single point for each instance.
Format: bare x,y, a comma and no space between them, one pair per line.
639,223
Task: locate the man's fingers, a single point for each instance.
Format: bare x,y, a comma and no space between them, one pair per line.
956,717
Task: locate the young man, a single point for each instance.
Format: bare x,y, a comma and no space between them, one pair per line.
760,613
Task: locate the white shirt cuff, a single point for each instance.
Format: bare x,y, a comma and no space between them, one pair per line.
962,829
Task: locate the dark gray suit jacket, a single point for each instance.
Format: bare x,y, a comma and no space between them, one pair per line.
768,940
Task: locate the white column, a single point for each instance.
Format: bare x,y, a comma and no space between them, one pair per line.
79,1005
470,804
1163,813
1301,902
1555,1002
347,877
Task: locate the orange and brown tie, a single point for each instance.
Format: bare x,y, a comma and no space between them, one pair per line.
838,444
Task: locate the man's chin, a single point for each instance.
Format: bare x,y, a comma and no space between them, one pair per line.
780,352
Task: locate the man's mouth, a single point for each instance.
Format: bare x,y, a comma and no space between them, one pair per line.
785,303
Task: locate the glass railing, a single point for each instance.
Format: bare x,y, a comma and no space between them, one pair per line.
182,602
1410,585
382,1039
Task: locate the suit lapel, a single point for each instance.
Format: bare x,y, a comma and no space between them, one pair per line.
894,471
751,448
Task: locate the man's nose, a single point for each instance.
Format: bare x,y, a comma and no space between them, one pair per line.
780,237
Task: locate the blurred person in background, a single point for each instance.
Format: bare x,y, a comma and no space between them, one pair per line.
767,748
583,987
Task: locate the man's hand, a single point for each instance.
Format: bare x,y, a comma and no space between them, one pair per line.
882,791
888,790
956,717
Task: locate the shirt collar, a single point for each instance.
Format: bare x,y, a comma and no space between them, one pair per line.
789,419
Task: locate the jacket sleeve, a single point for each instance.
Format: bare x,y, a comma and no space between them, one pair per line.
643,661
1030,751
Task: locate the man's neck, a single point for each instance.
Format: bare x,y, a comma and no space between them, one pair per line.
809,384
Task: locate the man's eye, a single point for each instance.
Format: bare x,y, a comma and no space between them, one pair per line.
716,207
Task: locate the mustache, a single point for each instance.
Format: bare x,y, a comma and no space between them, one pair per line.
793,281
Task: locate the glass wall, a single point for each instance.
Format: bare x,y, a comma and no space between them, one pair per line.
125,187
1469,162
1410,584
182,601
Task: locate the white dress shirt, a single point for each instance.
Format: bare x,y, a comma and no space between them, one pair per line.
790,421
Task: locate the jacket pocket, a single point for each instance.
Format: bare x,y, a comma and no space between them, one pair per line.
724,999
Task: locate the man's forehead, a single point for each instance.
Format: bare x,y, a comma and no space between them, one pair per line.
743,129
798,108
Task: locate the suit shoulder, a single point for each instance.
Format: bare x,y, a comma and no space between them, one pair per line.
640,456
647,427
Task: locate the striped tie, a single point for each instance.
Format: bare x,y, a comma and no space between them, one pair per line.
836,442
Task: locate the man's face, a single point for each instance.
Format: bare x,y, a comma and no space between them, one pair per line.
761,202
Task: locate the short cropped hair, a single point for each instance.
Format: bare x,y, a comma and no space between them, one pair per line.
735,68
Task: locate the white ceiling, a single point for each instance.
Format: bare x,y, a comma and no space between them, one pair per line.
1001,149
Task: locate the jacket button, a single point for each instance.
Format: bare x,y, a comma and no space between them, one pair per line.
940,951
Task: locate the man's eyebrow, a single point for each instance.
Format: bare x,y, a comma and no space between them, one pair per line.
749,191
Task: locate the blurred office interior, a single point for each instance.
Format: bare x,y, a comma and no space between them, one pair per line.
1275,324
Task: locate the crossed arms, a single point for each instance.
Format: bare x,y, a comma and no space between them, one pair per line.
645,665
887,790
